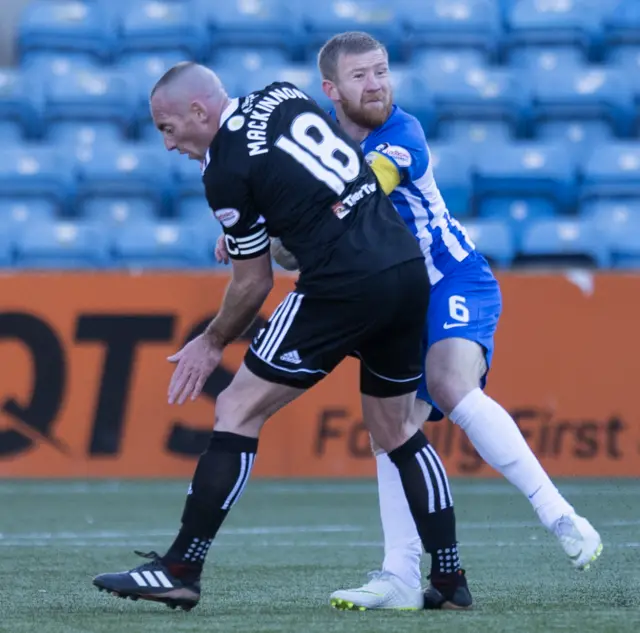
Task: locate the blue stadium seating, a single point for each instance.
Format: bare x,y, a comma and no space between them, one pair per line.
543,23
493,239
161,246
563,241
37,172
468,24
323,20
114,212
594,93
6,249
516,214
20,102
91,96
63,26
479,94
63,245
531,107
613,171
158,25
529,171
256,23
622,24
452,170
127,171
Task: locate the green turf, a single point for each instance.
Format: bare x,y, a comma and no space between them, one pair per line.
287,545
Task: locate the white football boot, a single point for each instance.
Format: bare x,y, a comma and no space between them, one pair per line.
578,539
383,591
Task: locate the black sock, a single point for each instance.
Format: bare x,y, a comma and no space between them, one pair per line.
427,489
219,480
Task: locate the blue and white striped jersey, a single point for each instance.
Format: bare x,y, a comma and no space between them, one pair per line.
443,240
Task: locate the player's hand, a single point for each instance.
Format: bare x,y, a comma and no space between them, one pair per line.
196,361
222,255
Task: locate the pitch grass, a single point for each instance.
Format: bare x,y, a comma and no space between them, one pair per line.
287,545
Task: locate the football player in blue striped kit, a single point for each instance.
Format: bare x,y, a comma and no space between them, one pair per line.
462,318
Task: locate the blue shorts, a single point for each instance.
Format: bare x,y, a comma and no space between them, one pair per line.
464,304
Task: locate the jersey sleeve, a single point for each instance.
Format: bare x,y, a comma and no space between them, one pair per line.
245,232
401,157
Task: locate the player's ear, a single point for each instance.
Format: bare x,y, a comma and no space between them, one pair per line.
199,111
329,88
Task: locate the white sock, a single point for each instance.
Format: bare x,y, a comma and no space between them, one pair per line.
402,545
498,440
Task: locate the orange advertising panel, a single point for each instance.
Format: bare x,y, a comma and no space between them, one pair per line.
84,376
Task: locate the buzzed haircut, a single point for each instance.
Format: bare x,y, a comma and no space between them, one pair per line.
172,74
349,43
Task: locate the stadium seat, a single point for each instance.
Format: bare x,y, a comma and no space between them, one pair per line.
612,171
429,61
62,245
17,213
622,23
7,247
377,17
528,171
44,64
547,57
452,172
469,24
127,170
580,137
618,223
64,26
194,208
563,242
596,93
536,23
91,96
256,23
79,135
20,102
116,212
37,172
480,94
475,135
247,60
11,132
161,246
158,25
493,239
516,213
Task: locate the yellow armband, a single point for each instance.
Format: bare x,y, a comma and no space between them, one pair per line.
386,172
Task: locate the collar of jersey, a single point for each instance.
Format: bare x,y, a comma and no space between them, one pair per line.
229,110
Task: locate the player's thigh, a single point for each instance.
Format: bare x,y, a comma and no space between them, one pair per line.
249,401
462,320
391,357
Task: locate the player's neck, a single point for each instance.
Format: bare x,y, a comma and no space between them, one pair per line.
356,132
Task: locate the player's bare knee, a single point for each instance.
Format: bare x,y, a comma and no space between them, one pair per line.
448,388
234,416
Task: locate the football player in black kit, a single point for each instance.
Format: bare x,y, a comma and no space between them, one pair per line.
274,164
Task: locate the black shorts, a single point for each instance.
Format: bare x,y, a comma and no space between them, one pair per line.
381,322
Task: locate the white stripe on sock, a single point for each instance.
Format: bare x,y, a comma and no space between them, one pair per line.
443,472
427,480
238,484
441,489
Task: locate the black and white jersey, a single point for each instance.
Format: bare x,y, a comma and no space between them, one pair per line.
281,167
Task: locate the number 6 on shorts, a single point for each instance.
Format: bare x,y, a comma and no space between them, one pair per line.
457,309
